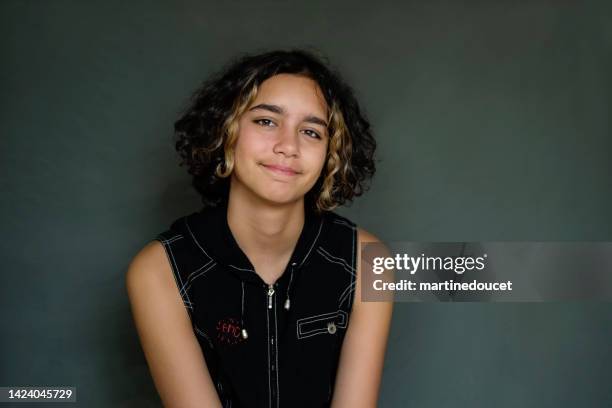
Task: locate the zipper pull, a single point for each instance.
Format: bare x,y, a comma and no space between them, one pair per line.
270,293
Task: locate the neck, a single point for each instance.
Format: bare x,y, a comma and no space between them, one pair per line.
266,233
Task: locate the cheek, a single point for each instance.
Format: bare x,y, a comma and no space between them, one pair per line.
318,160
322,155
249,144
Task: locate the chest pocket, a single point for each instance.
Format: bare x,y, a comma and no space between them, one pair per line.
321,324
318,346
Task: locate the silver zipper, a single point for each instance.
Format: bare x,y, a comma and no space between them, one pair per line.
270,293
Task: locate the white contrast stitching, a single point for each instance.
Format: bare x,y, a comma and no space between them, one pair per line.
192,278
276,356
321,317
344,263
200,332
178,274
346,292
170,240
242,304
354,277
195,240
342,222
313,243
241,269
268,348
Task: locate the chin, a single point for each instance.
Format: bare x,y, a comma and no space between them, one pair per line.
280,198
276,199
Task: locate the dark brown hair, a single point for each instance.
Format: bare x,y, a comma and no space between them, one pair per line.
207,130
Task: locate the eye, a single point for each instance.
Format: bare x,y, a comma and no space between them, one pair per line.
264,122
312,133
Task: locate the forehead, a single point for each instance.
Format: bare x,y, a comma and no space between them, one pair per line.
296,93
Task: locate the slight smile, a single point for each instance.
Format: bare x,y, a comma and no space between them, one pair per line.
281,170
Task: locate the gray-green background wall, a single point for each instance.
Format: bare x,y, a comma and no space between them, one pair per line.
493,123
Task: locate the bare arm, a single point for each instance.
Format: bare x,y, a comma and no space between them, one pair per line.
171,349
363,350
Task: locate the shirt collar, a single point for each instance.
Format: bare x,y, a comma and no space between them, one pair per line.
210,230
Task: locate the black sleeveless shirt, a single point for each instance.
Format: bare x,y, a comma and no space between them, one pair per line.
266,345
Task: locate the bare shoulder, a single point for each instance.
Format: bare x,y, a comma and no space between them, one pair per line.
366,236
367,252
149,273
148,267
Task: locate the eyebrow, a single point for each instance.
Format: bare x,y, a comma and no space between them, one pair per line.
277,109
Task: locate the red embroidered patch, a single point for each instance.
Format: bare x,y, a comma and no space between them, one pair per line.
228,331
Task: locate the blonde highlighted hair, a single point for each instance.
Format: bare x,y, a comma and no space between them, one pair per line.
207,131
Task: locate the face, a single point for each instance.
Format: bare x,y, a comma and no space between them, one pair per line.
282,140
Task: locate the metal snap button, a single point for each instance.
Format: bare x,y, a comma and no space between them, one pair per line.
331,328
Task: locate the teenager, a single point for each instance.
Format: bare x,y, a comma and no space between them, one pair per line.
254,300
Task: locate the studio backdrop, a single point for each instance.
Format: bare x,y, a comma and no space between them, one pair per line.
492,121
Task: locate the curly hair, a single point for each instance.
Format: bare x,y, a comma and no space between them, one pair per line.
207,130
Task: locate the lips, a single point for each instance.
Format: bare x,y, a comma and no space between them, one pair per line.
288,171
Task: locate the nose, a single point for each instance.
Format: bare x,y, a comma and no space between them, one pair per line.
287,141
